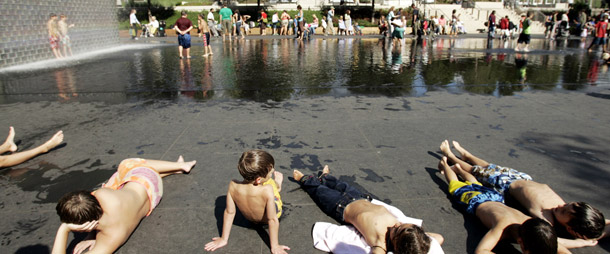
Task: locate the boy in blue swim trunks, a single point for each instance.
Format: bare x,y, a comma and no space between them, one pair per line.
533,235
579,219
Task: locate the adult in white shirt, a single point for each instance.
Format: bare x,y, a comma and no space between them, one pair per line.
212,22
134,23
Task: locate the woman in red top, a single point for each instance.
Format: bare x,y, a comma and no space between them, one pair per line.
263,22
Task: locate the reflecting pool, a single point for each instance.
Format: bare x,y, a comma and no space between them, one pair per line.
281,69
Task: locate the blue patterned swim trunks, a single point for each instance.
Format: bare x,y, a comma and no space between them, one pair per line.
471,195
498,177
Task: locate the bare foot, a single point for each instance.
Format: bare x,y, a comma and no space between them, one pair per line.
10,140
279,179
445,148
463,153
443,165
53,142
326,170
297,175
187,166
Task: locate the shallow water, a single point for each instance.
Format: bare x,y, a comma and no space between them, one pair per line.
281,69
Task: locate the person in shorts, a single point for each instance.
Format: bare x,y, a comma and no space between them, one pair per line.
54,35
204,32
534,235
111,213
600,34
525,36
581,220
183,27
225,19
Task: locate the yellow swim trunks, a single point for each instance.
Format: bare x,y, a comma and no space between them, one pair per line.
276,194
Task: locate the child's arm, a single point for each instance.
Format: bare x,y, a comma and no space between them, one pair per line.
274,224
489,241
229,215
61,238
576,243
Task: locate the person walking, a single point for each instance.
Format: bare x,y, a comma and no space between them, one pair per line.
262,20
285,23
389,19
600,34
349,29
329,22
524,37
299,22
491,22
225,17
204,32
212,22
415,19
133,23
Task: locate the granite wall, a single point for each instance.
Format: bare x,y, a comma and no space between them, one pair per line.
23,30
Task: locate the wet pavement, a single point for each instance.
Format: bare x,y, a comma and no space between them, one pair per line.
344,103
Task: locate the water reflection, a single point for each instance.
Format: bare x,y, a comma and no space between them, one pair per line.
66,84
283,69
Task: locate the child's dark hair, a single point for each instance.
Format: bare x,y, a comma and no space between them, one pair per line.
78,207
587,221
538,236
411,240
255,163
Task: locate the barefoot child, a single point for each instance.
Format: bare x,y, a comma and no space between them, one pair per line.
257,197
580,219
111,213
17,158
382,226
533,235
204,32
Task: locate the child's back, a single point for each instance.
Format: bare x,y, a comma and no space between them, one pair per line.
257,197
253,200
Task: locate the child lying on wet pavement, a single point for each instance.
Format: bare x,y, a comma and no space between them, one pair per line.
377,227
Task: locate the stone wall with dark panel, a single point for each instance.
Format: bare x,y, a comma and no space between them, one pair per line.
23,31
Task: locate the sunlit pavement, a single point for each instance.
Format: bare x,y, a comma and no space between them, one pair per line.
385,145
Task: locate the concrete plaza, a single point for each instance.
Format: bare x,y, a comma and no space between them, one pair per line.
385,145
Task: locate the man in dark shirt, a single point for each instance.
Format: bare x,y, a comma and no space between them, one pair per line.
492,24
415,19
182,27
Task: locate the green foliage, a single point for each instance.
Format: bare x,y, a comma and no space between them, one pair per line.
169,3
159,11
171,20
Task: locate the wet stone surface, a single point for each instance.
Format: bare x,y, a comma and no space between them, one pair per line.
386,145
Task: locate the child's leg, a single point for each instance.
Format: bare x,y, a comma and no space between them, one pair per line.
9,144
17,158
327,198
469,157
165,168
444,167
447,152
465,175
